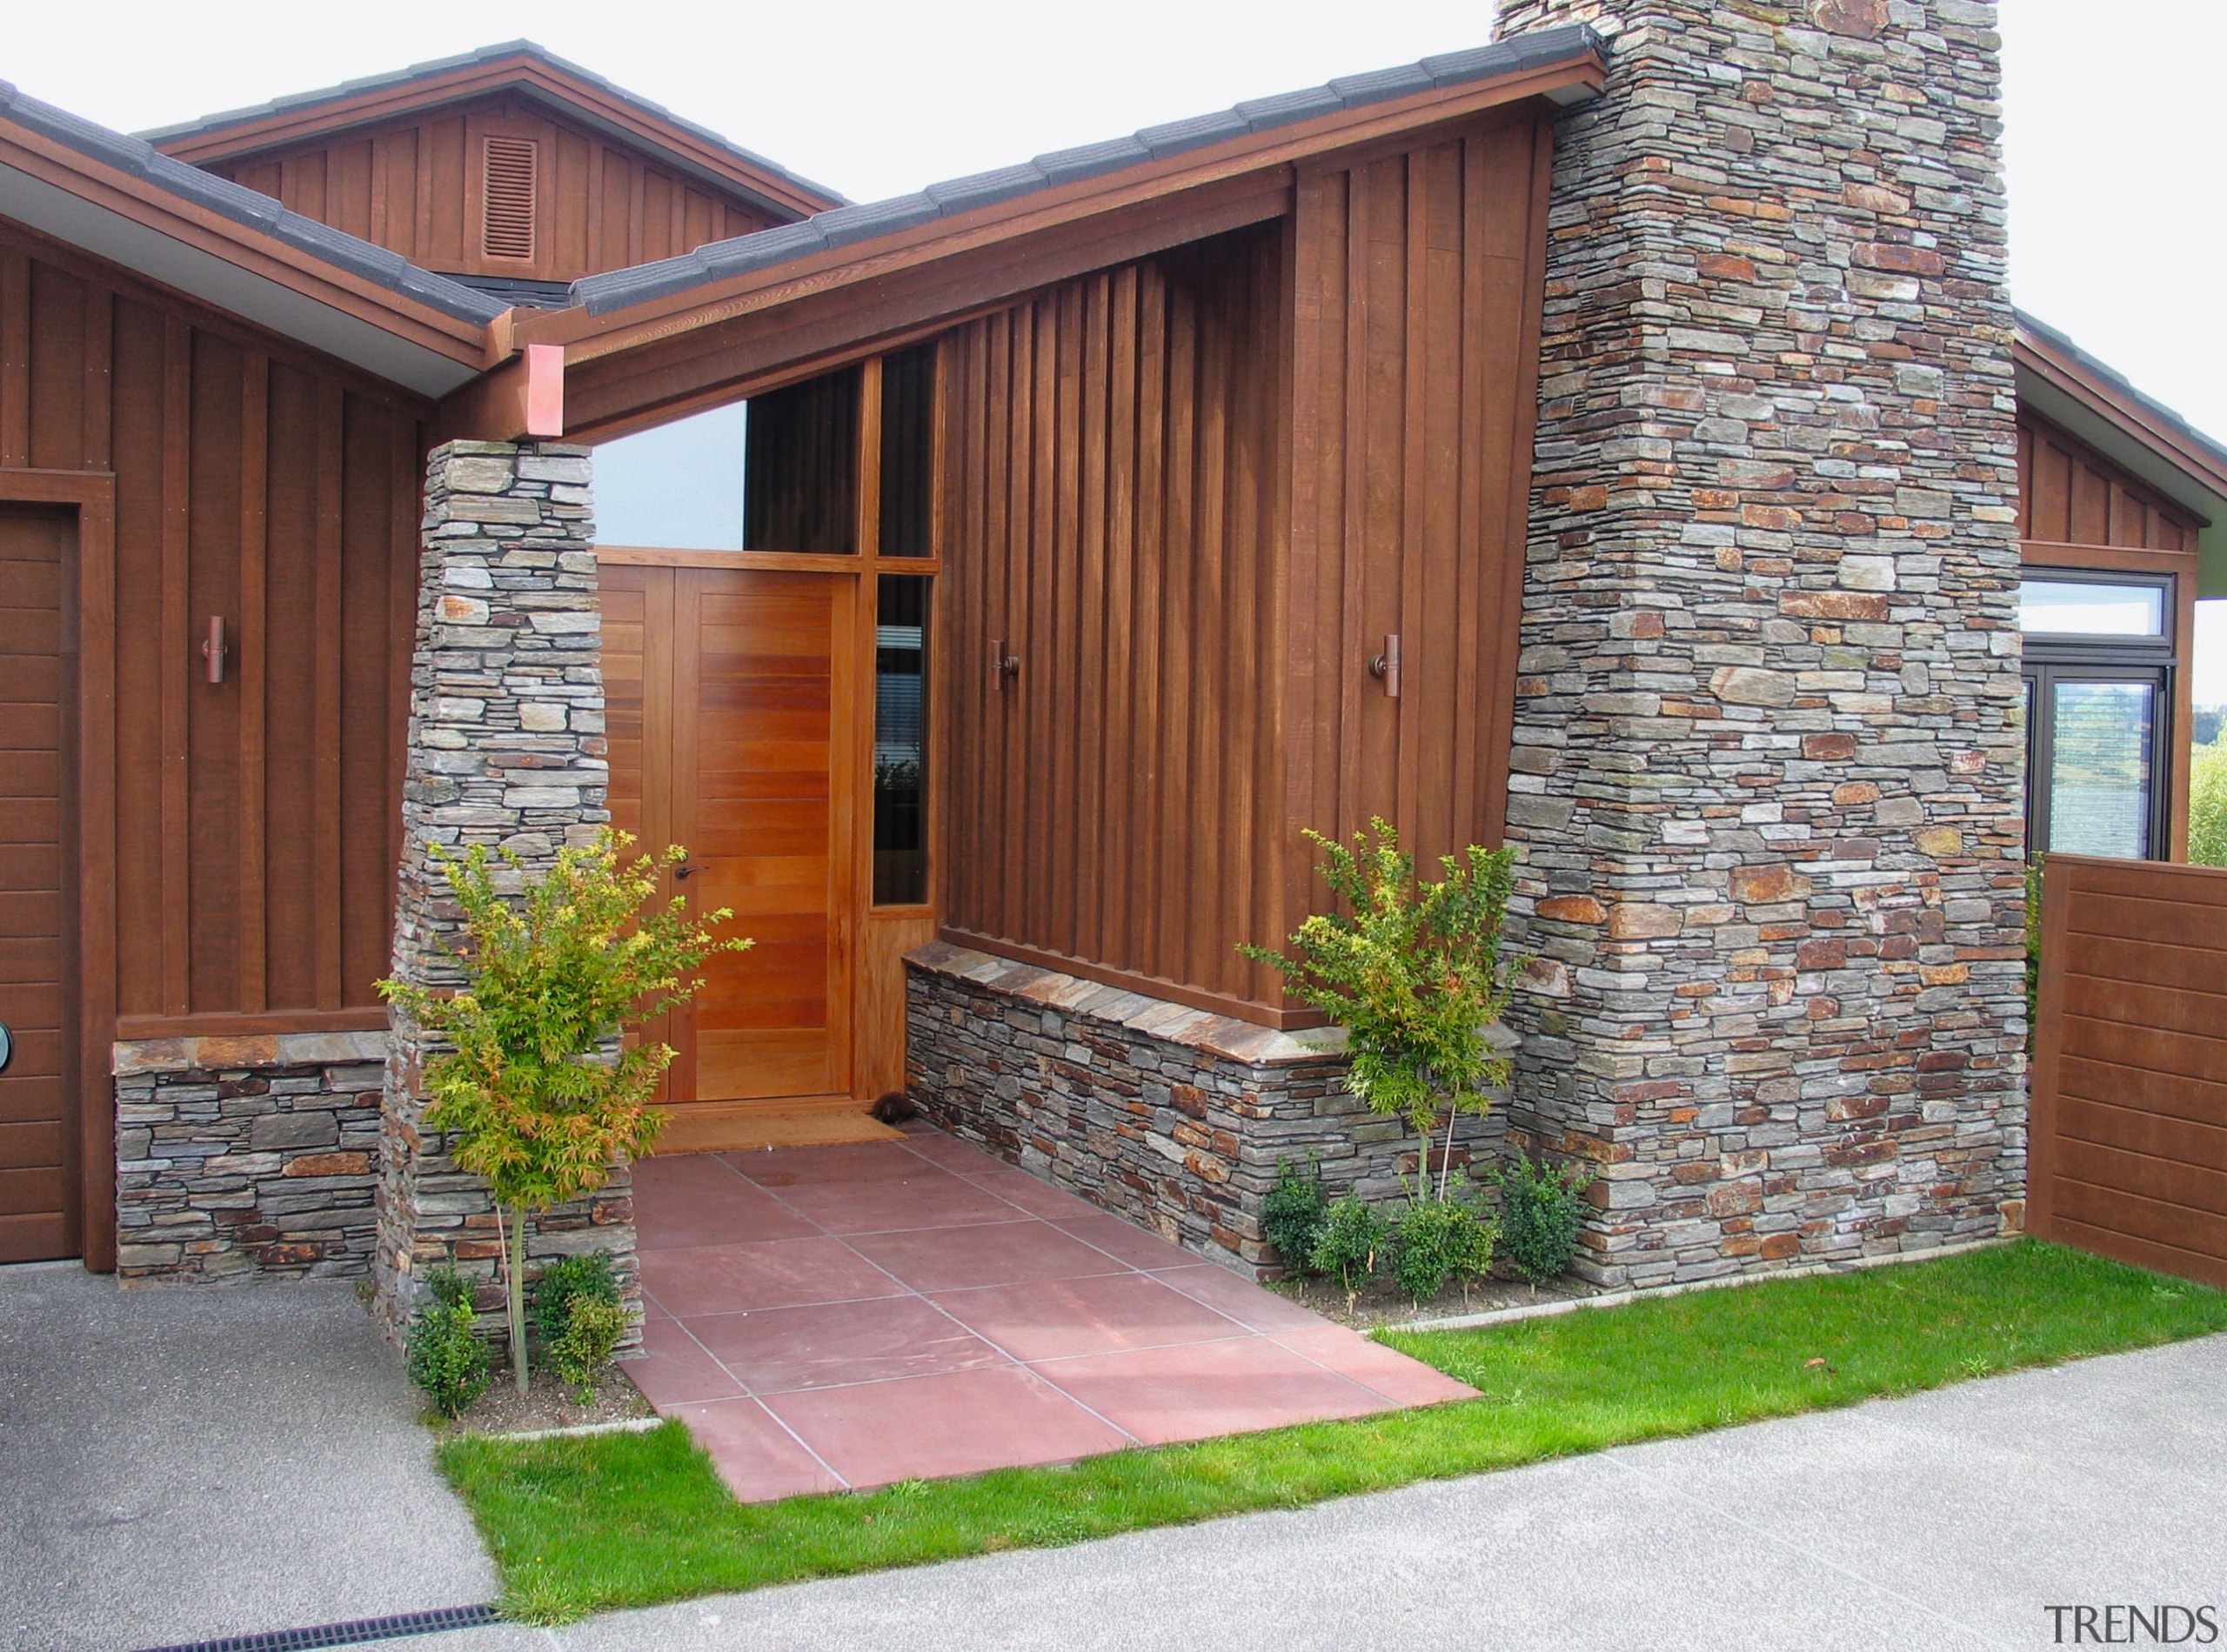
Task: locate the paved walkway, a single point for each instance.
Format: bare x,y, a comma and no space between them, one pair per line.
1946,1520
179,1465
849,1317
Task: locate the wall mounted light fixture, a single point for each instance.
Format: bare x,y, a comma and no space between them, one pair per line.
212,648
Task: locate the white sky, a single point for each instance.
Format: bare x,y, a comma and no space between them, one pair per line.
2114,141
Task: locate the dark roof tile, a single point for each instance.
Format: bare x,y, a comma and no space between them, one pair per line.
603,293
248,207
465,60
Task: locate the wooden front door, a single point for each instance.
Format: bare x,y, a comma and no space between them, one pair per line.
38,1185
731,699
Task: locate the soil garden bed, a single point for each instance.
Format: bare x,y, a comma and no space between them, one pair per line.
547,1404
1382,1305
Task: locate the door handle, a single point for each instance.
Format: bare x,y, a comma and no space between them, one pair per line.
686,872
1385,667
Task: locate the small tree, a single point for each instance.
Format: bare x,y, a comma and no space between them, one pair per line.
1414,974
539,1104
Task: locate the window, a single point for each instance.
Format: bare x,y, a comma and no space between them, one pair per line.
2098,667
777,472
900,741
908,406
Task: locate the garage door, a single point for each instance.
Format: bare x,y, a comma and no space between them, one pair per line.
39,1214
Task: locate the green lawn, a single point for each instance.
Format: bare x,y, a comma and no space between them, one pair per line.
592,1523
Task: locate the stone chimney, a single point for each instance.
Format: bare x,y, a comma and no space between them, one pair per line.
1769,756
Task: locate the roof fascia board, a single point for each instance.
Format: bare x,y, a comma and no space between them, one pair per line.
762,350
2089,410
131,223
586,336
613,116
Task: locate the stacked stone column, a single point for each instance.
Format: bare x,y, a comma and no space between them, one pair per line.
505,748
1768,766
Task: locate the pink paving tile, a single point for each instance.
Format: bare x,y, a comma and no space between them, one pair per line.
695,1200
673,1370
1058,1319
1032,1194
783,1349
1202,1389
1241,1300
760,1459
1123,1240
960,1423
1390,1373
779,1273
949,1259
961,1158
851,1163
930,1199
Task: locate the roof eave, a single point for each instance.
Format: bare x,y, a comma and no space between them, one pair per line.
693,150
587,334
136,224
2089,401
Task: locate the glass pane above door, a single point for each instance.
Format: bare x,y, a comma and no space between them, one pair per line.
2090,608
2101,787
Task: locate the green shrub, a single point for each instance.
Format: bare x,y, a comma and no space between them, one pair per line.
1432,1243
1415,977
2208,804
592,1330
1539,1215
447,1358
1290,1216
563,1282
1350,1243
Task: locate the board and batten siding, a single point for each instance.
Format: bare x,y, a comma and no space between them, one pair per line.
1193,496
2070,494
417,186
256,820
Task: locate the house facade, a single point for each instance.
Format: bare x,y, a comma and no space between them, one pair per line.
1616,440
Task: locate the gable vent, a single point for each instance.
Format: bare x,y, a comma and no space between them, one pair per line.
506,227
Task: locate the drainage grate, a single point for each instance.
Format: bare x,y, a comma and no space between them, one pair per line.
353,1634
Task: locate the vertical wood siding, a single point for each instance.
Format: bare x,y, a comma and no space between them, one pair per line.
255,819
1417,296
2069,494
415,186
1107,485
1193,496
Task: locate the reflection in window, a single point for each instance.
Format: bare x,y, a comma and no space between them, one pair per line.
2100,785
678,488
900,742
777,472
2090,608
908,406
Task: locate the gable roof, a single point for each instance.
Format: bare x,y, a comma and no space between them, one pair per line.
715,260
739,317
517,65
2094,401
122,200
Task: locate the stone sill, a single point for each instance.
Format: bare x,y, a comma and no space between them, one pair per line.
227,1055
1221,1035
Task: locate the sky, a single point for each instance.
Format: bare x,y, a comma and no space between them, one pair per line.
2116,235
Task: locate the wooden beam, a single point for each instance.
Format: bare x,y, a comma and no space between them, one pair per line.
176,657
249,652
324,856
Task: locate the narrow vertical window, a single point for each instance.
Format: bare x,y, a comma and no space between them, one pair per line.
908,408
506,197
900,741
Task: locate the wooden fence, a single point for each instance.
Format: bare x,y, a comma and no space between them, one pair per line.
2129,1143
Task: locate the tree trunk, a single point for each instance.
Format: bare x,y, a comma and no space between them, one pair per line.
514,1266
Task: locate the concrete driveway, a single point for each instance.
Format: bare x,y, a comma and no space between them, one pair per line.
1951,1519
181,1465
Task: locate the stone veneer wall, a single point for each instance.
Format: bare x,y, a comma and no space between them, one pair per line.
505,748
1768,768
240,1156
1171,1117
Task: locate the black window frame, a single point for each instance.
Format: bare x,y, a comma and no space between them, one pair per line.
2051,659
